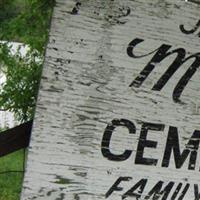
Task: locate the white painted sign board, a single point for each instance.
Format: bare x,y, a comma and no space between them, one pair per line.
119,103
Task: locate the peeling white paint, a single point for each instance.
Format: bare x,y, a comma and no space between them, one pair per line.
85,85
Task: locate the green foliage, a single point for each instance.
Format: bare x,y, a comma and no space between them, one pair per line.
8,9
19,92
25,21
30,26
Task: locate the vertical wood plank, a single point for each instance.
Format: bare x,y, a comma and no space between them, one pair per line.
86,85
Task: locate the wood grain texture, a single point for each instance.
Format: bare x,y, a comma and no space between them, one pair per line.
85,85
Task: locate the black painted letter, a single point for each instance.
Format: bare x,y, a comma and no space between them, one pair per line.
173,145
107,138
143,142
115,187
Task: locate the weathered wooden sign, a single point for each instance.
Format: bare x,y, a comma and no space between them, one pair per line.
119,103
